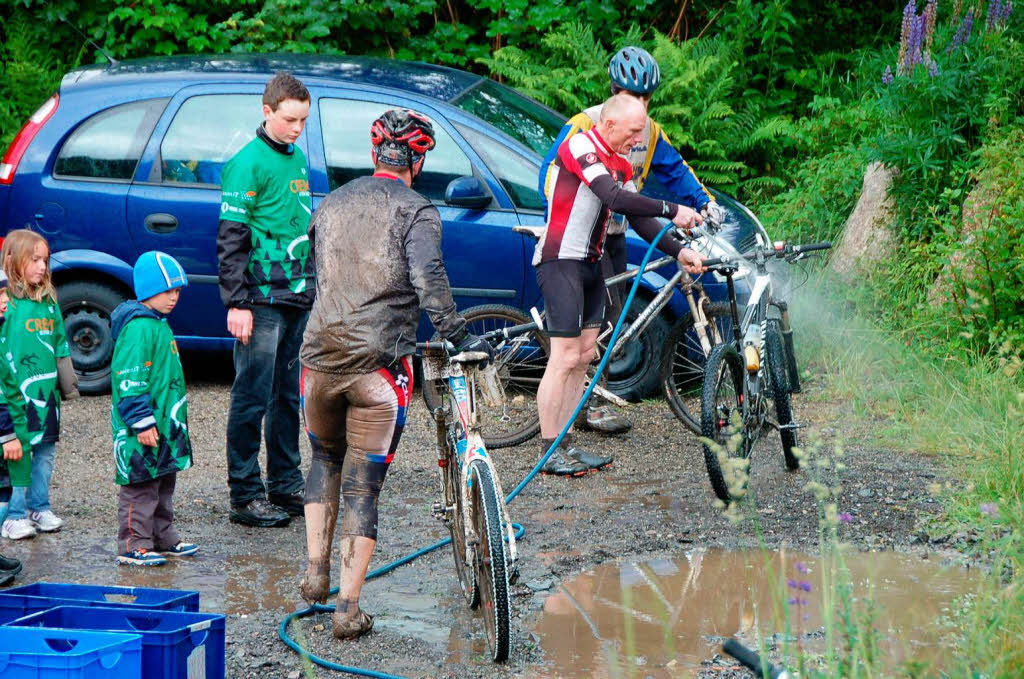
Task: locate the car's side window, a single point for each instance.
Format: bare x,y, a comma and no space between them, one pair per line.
346,131
109,144
517,174
206,132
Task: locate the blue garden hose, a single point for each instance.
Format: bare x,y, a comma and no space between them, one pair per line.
282,629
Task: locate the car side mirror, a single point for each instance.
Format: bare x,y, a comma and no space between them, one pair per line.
467,192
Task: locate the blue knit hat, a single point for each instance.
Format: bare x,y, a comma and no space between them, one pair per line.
157,272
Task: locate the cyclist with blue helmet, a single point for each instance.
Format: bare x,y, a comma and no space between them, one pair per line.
634,71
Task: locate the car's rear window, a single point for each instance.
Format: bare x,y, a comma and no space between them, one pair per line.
207,131
522,119
109,144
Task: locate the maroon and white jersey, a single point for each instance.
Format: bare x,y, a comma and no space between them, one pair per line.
577,218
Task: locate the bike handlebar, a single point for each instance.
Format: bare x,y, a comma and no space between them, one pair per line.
752,661
499,333
778,250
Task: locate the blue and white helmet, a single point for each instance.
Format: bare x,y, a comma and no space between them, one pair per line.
157,272
633,69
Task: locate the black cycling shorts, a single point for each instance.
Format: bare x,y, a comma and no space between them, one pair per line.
574,296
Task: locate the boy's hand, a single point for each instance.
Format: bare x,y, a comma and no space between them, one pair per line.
149,437
12,450
240,324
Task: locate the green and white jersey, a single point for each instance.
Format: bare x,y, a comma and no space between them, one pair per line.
31,341
147,390
269,191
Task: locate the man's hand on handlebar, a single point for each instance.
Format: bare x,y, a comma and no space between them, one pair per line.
471,342
692,261
686,218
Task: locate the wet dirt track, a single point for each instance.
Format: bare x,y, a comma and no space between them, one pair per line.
654,502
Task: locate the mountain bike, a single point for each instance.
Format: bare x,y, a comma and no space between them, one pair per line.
522,359
471,502
749,375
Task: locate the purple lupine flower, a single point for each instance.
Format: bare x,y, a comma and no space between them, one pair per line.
995,10
963,32
792,601
914,43
989,509
805,586
933,68
801,567
791,583
909,12
887,77
845,517
1007,8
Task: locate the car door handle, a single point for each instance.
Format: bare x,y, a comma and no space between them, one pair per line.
161,222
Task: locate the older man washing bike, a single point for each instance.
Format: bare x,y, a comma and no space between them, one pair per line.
589,179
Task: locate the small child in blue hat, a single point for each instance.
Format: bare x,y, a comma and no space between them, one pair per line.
149,417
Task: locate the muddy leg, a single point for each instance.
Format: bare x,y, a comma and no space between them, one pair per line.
349,620
323,488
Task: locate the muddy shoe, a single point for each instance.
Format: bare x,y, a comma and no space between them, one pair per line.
560,464
293,503
316,584
606,420
9,565
352,625
591,460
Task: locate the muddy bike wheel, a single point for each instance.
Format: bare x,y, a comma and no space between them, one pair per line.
683,361
721,420
491,561
779,376
520,362
457,527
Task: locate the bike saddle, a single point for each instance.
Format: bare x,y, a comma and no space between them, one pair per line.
532,231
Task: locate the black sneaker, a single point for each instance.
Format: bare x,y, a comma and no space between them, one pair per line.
591,460
260,514
606,420
293,503
9,566
560,464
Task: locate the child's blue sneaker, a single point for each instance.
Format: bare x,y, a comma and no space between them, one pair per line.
141,557
182,549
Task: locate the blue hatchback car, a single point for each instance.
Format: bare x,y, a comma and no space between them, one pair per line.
126,158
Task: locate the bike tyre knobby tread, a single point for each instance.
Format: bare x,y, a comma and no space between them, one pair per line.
492,578
781,394
671,387
723,355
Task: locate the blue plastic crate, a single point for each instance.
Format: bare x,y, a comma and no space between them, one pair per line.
174,645
68,654
18,602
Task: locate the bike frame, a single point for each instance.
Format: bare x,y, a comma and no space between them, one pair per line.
460,443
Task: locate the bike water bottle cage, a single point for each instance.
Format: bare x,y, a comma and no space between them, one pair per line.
633,69
401,138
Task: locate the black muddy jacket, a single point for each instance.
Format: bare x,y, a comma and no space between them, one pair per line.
376,245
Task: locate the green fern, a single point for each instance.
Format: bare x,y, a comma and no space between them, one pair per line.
29,73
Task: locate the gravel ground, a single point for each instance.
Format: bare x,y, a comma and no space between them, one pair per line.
654,501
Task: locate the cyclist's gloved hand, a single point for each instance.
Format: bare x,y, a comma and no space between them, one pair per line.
467,341
714,215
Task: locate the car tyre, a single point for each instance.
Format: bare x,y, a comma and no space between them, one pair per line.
87,306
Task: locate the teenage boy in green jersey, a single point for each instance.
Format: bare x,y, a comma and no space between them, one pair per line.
266,282
149,417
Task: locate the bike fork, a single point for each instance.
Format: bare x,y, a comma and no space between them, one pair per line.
787,343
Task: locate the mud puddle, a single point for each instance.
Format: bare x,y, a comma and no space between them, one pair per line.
662,617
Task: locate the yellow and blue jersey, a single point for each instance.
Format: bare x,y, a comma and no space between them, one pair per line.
655,154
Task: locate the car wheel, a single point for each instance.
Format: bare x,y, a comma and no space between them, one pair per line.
635,373
86,307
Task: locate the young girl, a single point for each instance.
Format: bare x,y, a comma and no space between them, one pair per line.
33,342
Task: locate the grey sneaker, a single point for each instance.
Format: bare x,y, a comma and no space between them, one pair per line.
606,419
560,464
591,460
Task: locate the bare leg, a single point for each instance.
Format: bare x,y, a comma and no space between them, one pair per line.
553,390
576,378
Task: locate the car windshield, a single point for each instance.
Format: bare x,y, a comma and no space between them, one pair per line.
512,113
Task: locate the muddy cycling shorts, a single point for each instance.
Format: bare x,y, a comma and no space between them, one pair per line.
354,423
574,296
